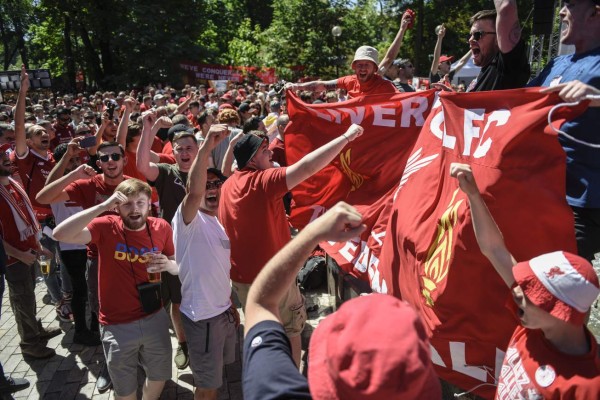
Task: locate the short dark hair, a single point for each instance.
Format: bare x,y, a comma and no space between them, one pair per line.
5,127
251,124
60,151
104,145
484,14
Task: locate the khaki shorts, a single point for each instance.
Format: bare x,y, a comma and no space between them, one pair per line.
291,310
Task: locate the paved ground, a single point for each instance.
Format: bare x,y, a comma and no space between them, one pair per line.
72,372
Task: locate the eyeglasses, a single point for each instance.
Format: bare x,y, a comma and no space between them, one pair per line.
113,156
214,185
479,34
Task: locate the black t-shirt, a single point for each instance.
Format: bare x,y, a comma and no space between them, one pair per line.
404,87
269,371
506,71
3,260
170,185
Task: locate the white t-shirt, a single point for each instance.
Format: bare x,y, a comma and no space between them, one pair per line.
202,251
62,211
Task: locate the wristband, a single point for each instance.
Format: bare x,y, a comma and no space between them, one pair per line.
346,137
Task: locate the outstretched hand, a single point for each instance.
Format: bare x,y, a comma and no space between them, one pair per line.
465,177
339,224
24,79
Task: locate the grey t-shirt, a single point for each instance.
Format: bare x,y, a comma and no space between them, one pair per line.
218,153
170,185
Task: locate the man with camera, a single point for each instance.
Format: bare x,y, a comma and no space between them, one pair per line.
134,325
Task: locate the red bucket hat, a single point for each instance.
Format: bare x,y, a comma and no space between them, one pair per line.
560,283
374,347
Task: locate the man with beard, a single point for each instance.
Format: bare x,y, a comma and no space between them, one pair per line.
254,217
86,188
365,80
202,252
134,331
497,47
19,230
574,77
170,181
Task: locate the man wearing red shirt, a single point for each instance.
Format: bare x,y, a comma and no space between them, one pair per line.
63,128
552,355
87,189
254,219
133,330
19,232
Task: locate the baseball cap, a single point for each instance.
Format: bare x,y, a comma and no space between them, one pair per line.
82,128
246,148
217,172
367,53
5,148
225,105
560,283
445,58
356,354
179,131
158,97
244,107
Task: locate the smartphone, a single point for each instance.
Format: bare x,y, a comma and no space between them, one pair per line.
89,141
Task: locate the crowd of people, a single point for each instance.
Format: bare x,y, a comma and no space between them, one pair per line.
102,192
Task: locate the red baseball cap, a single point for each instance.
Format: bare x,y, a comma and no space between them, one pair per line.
225,105
374,347
445,58
560,283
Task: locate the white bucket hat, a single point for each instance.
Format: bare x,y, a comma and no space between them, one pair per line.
367,53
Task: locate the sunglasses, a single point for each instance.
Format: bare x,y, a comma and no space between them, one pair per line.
214,185
479,34
114,156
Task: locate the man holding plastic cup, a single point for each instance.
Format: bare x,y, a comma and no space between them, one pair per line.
134,325
19,231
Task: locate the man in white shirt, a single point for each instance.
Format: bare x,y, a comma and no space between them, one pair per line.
202,252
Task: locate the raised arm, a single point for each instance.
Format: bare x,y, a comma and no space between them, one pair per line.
55,191
437,52
124,122
103,125
316,160
488,234
508,28
339,224
59,169
74,229
197,174
20,139
392,52
185,105
227,165
145,161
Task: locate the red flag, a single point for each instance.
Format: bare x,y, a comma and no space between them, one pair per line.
367,170
430,257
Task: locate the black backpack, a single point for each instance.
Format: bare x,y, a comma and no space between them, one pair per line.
313,273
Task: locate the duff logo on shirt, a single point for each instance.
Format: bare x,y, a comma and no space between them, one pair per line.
132,253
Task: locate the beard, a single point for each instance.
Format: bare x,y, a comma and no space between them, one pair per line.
135,222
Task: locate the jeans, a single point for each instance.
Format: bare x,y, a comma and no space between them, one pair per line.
587,231
20,279
52,279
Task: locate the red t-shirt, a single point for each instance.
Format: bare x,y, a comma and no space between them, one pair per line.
534,369
122,265
253,216
168,148
88,193
8,227
375,85
278,148
131,169
157,145
33,170
194,121
64,134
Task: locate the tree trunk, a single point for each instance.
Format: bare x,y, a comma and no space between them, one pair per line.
90,52
70,61
419,38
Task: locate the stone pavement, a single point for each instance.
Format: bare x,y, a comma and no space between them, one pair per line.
71,373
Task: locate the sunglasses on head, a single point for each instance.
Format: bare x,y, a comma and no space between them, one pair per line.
113,156
479,34
214,185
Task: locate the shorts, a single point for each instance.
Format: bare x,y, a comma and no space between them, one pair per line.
170,289
292,311
145,341
211,344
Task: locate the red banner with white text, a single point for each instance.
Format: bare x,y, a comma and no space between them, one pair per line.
420,244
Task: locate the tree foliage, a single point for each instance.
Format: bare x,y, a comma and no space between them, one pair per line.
119,44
